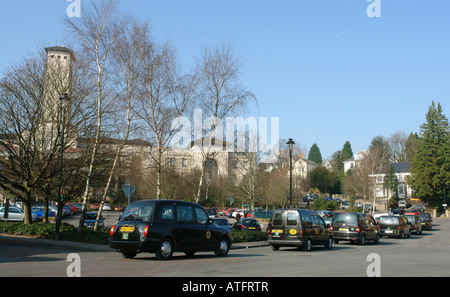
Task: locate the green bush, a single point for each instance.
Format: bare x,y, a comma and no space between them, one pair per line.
247,236
47,230
322,204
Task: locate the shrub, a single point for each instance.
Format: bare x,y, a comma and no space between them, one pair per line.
247,236
47,230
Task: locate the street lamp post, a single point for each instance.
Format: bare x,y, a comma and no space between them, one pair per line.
291,146
64,100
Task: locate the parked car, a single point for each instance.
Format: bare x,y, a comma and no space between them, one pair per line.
90,218
107,207
402,204
355,227
395,226
118,208
94,206
70,207
298,228
414,221
39,211
224,223
166,226
247,224
15,214
229,212
74,207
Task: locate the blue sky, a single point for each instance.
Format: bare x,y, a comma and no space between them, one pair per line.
327,70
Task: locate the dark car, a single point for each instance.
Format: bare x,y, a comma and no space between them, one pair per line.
395,226
90,218
223,223
166,226
247,224
425,221
298,228
355,227
414,221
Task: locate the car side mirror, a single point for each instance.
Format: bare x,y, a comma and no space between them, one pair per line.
210,221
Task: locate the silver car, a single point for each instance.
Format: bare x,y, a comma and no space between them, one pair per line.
15,214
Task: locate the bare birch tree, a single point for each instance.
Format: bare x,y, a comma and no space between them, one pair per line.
222,96
126,58
165,97
96,33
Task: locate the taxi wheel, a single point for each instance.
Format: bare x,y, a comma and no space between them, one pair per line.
307,245
224,247
329,244
165,250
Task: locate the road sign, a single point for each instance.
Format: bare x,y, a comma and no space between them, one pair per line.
129,190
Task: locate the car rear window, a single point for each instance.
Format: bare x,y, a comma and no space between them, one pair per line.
345,218
389,220
292,218
139,211
277,219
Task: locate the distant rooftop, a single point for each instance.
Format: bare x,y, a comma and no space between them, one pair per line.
61,49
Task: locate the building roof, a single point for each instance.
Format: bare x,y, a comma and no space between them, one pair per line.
402,167
61,49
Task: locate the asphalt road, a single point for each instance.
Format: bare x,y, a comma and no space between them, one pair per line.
421,255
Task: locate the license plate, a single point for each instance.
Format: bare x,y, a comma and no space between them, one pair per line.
251,227
343,229
277,231
127,229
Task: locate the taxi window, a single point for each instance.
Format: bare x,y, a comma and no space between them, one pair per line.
202,217
185,214
306,220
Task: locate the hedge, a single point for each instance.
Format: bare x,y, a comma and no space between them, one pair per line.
47,230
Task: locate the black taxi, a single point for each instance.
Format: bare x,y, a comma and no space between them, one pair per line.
166,226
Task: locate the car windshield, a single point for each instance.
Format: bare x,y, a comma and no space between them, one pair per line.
345,218
138,211
91,216
389,220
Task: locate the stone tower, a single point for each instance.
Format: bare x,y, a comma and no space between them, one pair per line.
58,81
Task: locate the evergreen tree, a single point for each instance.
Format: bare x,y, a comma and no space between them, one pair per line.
430,167
347,152
314,154
411,146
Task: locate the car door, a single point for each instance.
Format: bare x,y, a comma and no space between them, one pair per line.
317,232
208,234
15,214
186,230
